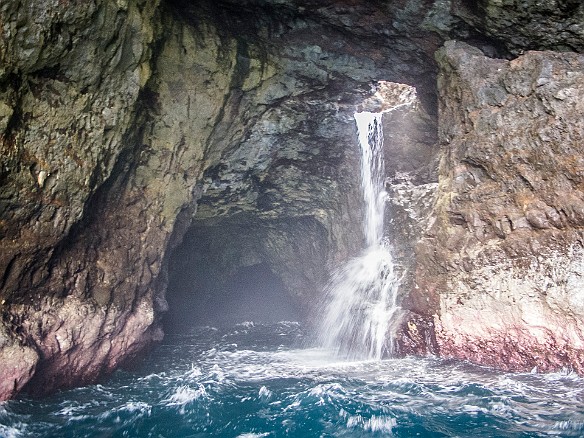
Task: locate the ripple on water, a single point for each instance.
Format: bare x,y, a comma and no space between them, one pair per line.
216,382
11,426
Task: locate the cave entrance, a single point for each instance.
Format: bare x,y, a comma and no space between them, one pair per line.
221,275
252,293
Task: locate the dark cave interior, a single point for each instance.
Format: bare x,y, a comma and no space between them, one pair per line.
216,285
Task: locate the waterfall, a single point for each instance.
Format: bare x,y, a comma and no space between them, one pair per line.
361,312
370,134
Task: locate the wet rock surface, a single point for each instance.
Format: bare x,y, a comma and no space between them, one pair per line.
502,258
126,124
71,80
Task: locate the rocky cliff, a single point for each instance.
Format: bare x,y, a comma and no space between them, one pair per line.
126,125
502,257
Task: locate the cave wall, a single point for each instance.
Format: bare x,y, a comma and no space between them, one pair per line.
503,256
71,84
125,123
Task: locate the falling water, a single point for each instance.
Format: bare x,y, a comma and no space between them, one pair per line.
370,134
361,312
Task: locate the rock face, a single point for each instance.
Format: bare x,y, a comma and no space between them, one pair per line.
526,25
71,79
502,259
126,126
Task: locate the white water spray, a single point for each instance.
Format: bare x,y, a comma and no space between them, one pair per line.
361,313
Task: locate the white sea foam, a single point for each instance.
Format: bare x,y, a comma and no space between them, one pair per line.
376,423
71,411
185,394
12,432
315,392
194,372
115,414
141,407
562,426
253,435
264,393
153,376
15,431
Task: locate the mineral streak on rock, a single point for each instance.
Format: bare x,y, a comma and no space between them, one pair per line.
124,123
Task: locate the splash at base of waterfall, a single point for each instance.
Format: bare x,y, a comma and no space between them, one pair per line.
362,315
250,381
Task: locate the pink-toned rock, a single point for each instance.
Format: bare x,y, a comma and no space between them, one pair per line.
17,365
502,265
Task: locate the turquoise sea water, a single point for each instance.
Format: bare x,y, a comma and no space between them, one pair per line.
254,381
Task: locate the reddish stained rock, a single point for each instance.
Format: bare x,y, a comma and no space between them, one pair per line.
18,364
504,253
515,349
81,343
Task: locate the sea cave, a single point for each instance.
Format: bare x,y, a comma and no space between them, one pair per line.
187,199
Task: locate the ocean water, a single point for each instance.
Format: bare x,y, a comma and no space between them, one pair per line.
254,380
